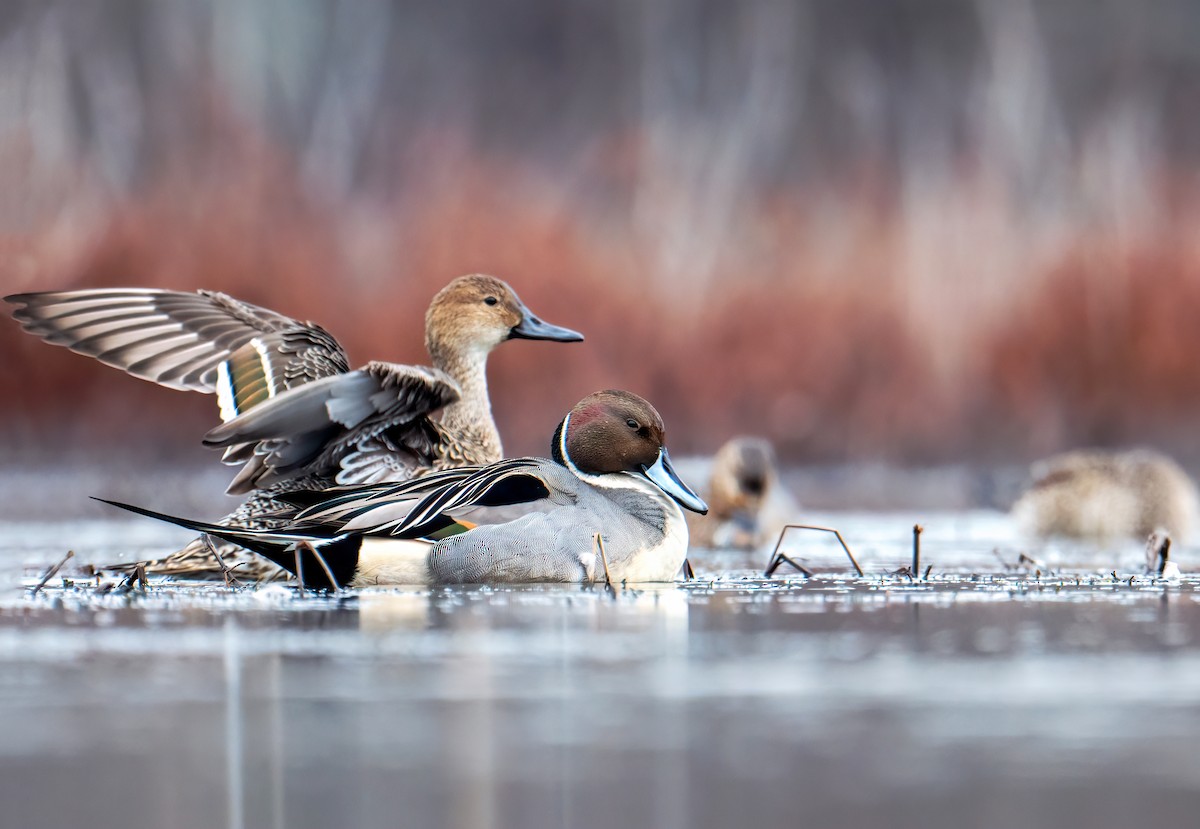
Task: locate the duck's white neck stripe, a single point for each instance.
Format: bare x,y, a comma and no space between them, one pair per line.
562,446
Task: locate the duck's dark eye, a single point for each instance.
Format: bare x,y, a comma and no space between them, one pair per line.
632,424
491,300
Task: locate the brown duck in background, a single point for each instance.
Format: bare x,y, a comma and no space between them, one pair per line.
1104,496
747,503
296,416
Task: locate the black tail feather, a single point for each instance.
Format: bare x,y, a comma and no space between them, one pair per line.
340,554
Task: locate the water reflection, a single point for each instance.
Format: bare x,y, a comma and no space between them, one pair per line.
833,700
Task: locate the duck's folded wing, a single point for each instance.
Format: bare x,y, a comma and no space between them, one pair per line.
203,341
397,454
413,509
312,428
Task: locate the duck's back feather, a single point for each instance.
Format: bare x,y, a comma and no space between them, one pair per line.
316,427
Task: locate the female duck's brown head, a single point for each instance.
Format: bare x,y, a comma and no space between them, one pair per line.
476,313
616,431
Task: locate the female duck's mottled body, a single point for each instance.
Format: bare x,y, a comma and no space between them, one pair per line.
610,476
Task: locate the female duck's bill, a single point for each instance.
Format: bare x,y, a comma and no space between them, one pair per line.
532,327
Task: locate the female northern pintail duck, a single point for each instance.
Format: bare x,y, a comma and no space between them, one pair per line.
747,503
610,476
296,416
1103,496
291,405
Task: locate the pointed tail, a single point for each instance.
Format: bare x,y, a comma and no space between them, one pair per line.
316,557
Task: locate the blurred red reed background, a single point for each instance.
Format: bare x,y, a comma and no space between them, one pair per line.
916,234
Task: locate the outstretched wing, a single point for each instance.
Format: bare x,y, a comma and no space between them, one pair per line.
203,341
314,427
413,509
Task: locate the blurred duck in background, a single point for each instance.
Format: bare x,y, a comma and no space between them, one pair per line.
1158,556
1104,496
747,503
295,415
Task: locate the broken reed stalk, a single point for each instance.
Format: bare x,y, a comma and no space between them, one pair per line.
140,573
49,574
599,541
916,562
688,573
299,566
777,558
226,570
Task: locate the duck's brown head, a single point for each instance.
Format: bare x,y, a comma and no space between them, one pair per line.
616,431
476,313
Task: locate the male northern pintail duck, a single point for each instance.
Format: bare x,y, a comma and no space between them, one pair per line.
610,476
747,503
295,415
1107,495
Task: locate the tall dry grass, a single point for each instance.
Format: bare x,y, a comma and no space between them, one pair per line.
864,231
819,336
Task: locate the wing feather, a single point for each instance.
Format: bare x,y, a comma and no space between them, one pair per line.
411,508
312,428
290,403
144,331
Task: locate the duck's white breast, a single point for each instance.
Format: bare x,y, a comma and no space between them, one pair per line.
661,561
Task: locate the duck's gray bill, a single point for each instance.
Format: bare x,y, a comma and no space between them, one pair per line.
663,474
532,328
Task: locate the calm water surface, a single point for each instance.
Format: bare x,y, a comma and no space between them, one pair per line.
987,696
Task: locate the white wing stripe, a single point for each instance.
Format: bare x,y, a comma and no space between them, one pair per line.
225,397
264,356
